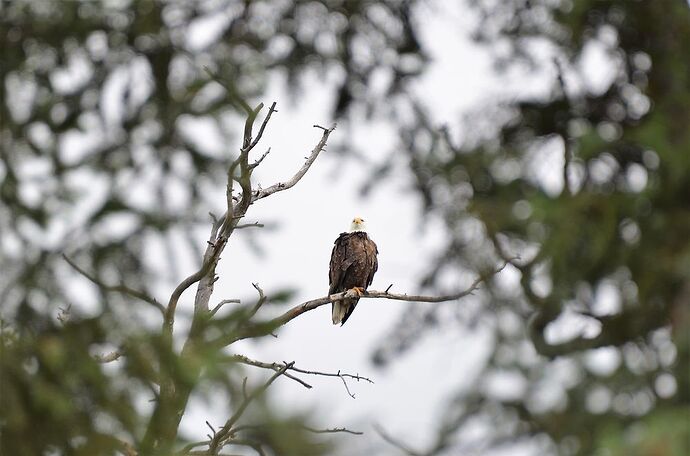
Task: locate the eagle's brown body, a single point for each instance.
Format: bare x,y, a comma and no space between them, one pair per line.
353,265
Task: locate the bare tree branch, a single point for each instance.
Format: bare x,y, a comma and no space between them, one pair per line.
256,446
567,154
172,399
249,225
313,304
281,186
225,431
116,288
332,430
222,303
247,427
259,302
264,328
272,366
276,367
271,110
260,159
64,313
108,357
399,445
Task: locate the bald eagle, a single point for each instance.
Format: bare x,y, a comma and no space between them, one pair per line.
353,265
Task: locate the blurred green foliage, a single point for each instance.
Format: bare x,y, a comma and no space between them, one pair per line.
589,186
98,100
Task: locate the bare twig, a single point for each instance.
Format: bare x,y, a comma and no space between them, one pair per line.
272,366
281,186
249,427
116,288
64,313
225,431
222,303
271,110
128,449
332,430
259,302
260,159
213,430
256,446
276,367
231,89
250,225
109,357
187,449
566,144
399,445
244,388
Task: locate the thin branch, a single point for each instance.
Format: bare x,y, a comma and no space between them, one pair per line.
249,225
187,449
222,303
276,367
256,446
249,427
271,110
399,445
567,154
260,159
225,431
206,453
211,260
313,304
349,393
332,430
272,366
109,357
267,327
64,313
116,288
281,186
259,302
231,89
127,448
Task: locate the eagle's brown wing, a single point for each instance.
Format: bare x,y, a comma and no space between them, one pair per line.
339,265
372,261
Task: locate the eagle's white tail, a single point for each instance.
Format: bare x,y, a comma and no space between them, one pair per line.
339,310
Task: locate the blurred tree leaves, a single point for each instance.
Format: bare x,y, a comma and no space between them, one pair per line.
590,188
100,102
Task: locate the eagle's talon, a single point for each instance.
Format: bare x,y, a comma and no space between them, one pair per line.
356,291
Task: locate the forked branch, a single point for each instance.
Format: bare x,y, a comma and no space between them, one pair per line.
116,288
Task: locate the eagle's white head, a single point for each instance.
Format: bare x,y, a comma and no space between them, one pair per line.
357,225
